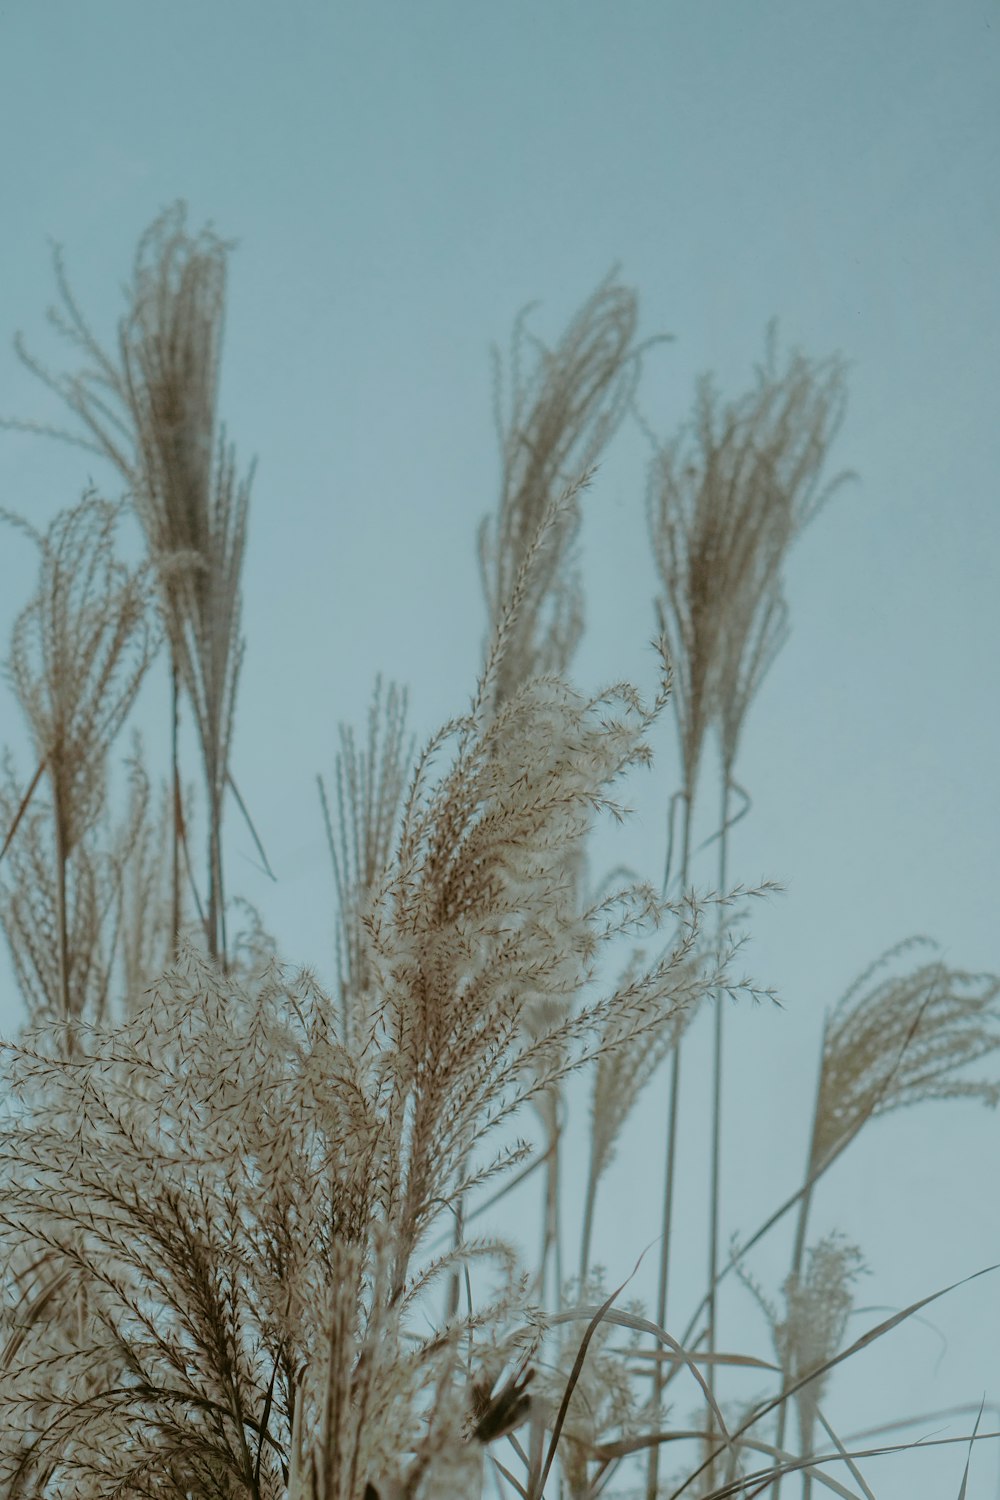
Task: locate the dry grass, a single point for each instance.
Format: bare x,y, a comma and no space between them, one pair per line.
727,498
232,1205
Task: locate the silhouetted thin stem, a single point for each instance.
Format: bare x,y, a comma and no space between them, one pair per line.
23,807
713,1224
732,819
245,811
62,919
586,1233
670,1172
668,862
552,1215
769,1223
216,923
458,1235
175,886
798,1250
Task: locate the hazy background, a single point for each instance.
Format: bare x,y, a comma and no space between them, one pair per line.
402,179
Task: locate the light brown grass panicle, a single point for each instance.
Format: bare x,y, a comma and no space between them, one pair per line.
621,1075
809,1329
370,787
30,902
143,853
242,1188
476,925
150,409
170,347
899,1036
195,1172
726,499
78,654
184,480
817,1306
563,407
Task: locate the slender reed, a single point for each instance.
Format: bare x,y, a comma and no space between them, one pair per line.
726,499
670,1157
556,409
150,409
716,1144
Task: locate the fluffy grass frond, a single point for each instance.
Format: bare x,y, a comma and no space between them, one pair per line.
817,1306
901,1035
78,654
192,504
370,786
80,650
563,406
726,499
145,937
239,1189
30,898
809,1329
196,1177
560,413
151,410
231,1204
621,1075
126,405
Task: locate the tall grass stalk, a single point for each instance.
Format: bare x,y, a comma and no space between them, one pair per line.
150,410
556,408
716,1138
727,497
670,1157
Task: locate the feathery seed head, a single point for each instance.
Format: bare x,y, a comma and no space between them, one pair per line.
817,1306
899,1036
726,499
79,651
563,411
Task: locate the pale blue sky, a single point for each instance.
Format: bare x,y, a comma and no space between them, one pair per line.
401,180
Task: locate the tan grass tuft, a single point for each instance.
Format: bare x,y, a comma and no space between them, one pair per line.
899,1036
726,499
